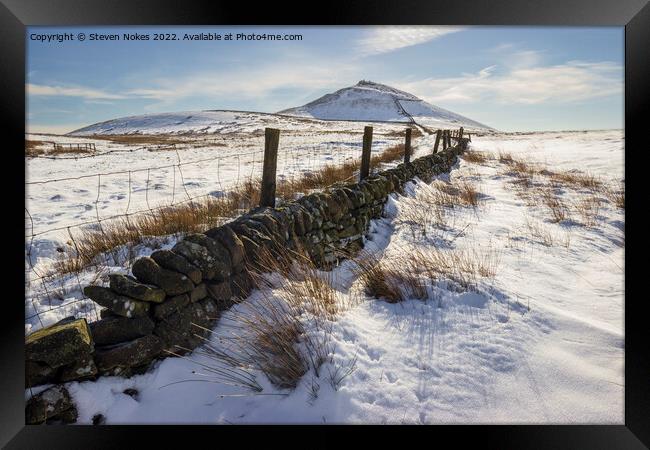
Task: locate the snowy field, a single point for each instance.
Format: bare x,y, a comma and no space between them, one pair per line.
540,341
134,179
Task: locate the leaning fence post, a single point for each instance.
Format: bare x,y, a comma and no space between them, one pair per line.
271,140
365,154
407,146
435,147
444,139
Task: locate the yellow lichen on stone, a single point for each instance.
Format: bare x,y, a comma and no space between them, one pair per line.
80,324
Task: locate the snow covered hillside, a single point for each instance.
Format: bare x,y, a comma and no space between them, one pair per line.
526,324
364,102
220,122
377,102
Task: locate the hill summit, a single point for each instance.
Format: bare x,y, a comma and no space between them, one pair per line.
370,101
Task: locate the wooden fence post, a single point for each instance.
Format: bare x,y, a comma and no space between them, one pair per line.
445,133
435,147
407,146
460,133
448,138
365,154
271,140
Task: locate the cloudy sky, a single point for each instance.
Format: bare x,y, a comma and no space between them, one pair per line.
511,78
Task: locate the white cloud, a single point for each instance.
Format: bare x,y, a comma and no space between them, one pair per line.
573,81
246,83
71,91
388,38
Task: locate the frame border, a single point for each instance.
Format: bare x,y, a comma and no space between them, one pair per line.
15,15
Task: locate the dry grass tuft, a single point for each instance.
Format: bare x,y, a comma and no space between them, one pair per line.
287,330
34,148
576,179
539,232
505,158
588,207
476,157
405,277
468,194
616,196
433,204
140,139
554,203
387,280
463,267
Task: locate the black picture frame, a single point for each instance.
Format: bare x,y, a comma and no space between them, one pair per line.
15,15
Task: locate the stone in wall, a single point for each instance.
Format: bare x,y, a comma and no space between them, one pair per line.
119,304
116,359
175,262
83,368
170,306
130,287
218,255
177,329
52,348
229,239
51,405
147,271
199,293
115,329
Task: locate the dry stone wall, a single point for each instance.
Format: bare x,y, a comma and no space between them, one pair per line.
174,295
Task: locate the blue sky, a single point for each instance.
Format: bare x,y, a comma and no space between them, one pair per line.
511,78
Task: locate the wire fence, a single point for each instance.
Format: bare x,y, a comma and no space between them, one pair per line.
92,200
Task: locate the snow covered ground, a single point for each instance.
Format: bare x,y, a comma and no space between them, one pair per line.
540,342
134,179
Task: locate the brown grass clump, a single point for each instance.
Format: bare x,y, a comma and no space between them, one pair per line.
140,139
463,267
554,203
401,278
191,217
433,204
388,280
588,207
302,284
286,330
34,148
539,232
468,194
505,158
576,179
616,196
476,157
